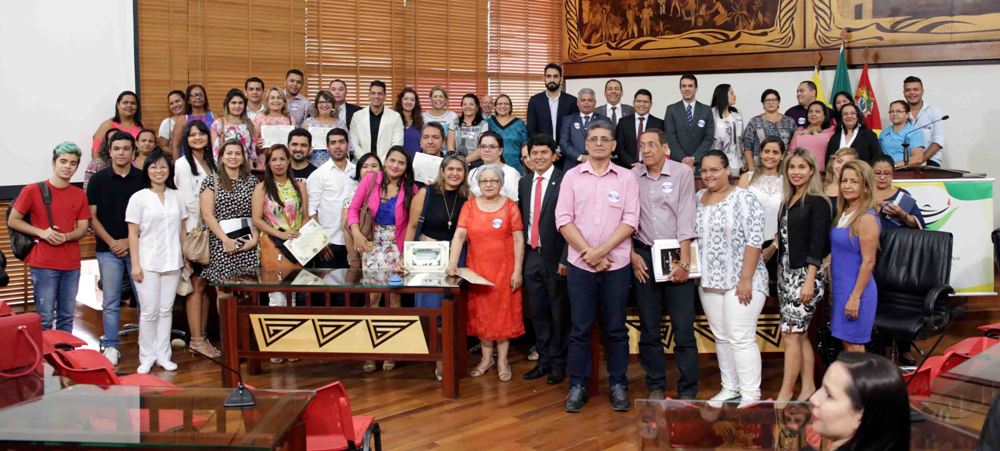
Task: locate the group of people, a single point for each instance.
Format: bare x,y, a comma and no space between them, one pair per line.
560,211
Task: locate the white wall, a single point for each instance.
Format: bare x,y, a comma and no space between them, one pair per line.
965,92
63,64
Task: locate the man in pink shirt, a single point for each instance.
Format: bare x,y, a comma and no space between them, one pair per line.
597,211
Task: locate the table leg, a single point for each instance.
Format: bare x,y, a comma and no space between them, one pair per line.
449,358
462,319
229,342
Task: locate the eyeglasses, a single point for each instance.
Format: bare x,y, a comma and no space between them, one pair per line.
324,102
770,100
883,174
897,112
489,146
599,139
197,95
489,182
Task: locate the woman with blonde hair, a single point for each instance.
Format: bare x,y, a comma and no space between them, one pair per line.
853,245
831,182
439,112
803,242
275,113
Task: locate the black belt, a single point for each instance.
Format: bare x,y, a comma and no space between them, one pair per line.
537,250
640,245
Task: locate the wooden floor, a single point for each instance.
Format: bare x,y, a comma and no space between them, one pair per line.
490,414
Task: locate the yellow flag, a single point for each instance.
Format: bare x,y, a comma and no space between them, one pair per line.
819,87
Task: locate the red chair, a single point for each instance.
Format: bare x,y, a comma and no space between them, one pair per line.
330,425
59,339
87,366
970,347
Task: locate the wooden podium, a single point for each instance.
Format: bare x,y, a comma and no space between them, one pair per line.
930,172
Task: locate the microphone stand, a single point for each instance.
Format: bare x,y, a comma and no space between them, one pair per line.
241,396
906,139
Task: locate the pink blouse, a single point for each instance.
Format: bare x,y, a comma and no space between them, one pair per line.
361,194
815,144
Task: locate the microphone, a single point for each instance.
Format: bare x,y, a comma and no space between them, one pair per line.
906,138
241,396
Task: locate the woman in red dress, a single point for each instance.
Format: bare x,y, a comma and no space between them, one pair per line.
492,224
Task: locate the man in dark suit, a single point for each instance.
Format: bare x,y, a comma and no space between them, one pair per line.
631,126
613,109
690,126
573,133
544,259
547,108
339,90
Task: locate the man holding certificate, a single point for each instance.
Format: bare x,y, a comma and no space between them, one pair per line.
667,212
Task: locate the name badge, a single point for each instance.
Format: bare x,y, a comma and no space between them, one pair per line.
497,223
614,197
576,125
802,121
701,123
667,187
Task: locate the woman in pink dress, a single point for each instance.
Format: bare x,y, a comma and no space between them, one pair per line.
815,136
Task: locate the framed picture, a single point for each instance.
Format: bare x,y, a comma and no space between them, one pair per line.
667,253
426,256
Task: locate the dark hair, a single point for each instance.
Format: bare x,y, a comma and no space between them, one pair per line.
246,84
295,72
361,162
479,110
154,156
225,182
378,83
553,66
497,137
406,182
841,93
137,135
271,188
913,79
768,92
600,125
299,131
177,92
720,99
187,97
661,136
718,154
337,80
613,80
883,158
840,116
336,131
878,391
244,117
906,105
435,125
772,139
810,84
138,108
102,152
541,139
826,113
643,92
417,116
186,150
121,136
323,94
690,77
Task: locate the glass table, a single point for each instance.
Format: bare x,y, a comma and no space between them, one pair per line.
256,332
94,417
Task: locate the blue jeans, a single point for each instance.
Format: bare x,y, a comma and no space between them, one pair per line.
55,296
588,292
114,270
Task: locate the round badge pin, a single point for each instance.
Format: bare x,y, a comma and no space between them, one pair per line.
497,223
667,187
701,123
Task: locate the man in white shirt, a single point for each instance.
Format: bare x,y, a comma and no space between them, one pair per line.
614,109
253,87
376,128
328,186
923,117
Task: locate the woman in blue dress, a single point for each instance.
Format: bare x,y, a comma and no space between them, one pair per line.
511,129
853,246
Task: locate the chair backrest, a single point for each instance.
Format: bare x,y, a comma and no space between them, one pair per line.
911,263
996,247
329,412
79,367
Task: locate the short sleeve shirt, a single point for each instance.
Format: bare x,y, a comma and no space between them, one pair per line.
110,192
724,231
159,228
68,205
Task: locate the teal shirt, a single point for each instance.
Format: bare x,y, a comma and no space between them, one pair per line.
514,135
892,142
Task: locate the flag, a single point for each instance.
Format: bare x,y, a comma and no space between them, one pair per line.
842,80
865,99
819,87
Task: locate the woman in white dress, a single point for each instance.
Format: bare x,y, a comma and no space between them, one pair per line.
728,127
766,183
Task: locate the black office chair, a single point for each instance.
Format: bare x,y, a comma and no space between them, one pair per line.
912,273
996,248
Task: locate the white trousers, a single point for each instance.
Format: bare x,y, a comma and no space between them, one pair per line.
156,295
735,328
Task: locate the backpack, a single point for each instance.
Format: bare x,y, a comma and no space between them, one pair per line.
21,243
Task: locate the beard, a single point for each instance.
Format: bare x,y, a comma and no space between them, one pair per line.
552,86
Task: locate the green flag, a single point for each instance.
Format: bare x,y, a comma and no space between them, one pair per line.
842,80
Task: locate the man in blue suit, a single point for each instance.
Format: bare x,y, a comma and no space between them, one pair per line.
574,129
547,108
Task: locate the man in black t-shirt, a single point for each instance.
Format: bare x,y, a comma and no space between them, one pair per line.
300,146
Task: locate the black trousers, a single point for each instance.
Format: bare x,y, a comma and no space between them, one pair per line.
549,310
652,299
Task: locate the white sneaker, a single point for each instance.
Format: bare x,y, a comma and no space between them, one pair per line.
167,365
746,402
723,397
112,355
144,368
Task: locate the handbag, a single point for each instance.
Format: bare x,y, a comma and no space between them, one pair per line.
367,222
274,257
195,245
20,242
184,286
20,338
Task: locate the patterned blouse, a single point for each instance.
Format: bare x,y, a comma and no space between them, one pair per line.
759,129
227,131
288,217
724,230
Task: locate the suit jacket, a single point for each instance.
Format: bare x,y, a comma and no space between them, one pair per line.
623,110
540,117
866,144
351,109
572,137
693,140
553,243
390,132
627,150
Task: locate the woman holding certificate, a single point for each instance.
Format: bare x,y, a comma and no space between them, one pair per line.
492,224
279,204
378,217
225,203
323,114
275,113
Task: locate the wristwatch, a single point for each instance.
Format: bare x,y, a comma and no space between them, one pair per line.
684,266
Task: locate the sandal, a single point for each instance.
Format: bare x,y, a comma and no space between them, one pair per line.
504,374
369,367
388,365
201,346
481,370
439,371
533,354
277,360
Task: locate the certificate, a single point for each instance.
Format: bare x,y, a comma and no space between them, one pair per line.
473,278
426,167
666,254
312,239
275,134
426,256
319,136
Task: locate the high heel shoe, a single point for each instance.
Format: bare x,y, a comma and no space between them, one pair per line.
505,374
481,370
369,367
388,365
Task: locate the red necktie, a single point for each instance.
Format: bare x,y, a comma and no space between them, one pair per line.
638,135
536,212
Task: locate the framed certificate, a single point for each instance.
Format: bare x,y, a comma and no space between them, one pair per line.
426,256
667,253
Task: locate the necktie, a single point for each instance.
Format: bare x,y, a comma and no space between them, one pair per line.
638,134
536,212
586,121
690,112
614,116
